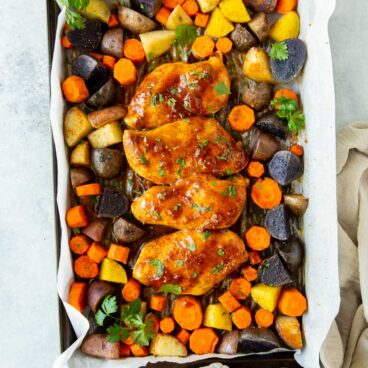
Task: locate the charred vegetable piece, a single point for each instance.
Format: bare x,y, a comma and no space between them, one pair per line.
271,124
259,26
79,176
88,38
104,96
285,167
292,253
229,343
272,272
97,291
135,22
113,204
264,146
242,38
107,162
255,339
113,43
96,229
126,232
277,223
288,329
97,345
284,71
147,7
257,95
266,6
296,203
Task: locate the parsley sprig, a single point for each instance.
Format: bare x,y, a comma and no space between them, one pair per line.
185,35
279,51
72,12
287,108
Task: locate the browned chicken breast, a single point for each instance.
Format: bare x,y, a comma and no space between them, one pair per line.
198,202
176,90
183,148
194,260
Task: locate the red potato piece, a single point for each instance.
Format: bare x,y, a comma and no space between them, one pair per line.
98,346
97,291
113,43
99,118
79,176
96,229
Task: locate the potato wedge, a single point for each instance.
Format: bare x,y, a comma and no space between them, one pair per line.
135,22
178,17
235,11
167,345
97,9
288,329
106,136
113,271
97,345
216,316
266,296
76,126
156,43
218,26
207,5
288,26
81,155
257,65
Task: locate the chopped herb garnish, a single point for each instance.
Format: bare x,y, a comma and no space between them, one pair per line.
200,75
161,196
141,6
219,139
187,121
161,172
223,158
206,234
156,215
179,262
186,105
287,108
185,35
217,269
171,288
171,102
177,206
181,162
76,231
174,91
72,12
204,143
221,89
220,252
159,266
130,182
201,209
192,247
228,172
151,56
279,51
230,191
143,159
158,139
194,275
156,99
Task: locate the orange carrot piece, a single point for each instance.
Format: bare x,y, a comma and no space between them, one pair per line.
66,28
203,341
113,21
125,72
266,193
183,336
240,288
118,253
86,190
188,312
157,302
129,341
124,350
257,238
201,20
190,7
79,244
77,217
242,318
74,89
78,295
139,351
224,45
66,43
297,149
264,318
254,258
133,50
229,302
292,303
85,267
109,61
167,325
163,15
171,4
131,290
286,6
250,273
255,169
241,118
97,252
155,322
285,92
96,55
203,47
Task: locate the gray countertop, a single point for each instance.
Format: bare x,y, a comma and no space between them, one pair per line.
28,301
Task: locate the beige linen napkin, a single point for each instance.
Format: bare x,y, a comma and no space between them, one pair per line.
347,342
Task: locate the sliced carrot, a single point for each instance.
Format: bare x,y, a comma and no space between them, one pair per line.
242,318
240,288
74,89
133,50
113,21
78,295
77,217
109,61
255,169
129,341
254,258
203,341
79,244
131,290
171,4
167,325
266,193
163,15
224,44
188,312
97,252
229,302
86,190
96,55
66,43
118,253
190,7
285,92
155,322
157,302
183,336
124,350
297,149
258,238
241,118
203,47
264,318
286,6
139,351
125,72
250,273
85,267
292,303
201,20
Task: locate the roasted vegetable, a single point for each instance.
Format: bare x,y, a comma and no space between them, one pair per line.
257,65
259,26
97,9
126,232
147,7
135,22
101,117
256,339
97,291
203,341
112,271
272,272
229,343
264,146
257,95
292,252
218,25
296,203
216,316
234,10
79,176
113,203
104,96
107,135
271,124
106,162
288,26
178,17
277,223
81,155
113,43
167,345
84,66
76,126
96,229
266,6
292,303
288,329
156,43
88,38
97,345
266,296
242,38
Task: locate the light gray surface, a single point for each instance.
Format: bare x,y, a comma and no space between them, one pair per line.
28,303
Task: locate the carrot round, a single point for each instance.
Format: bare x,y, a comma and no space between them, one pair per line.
113,21
167,325
66,43
264,318
240,288
254,258
77,217
242,318
229,302
203,47
125,72
79,244
250,273
86,190
85,267
118,253
297,149
203,341
131,290
266,193
190,7
74,89
201,20
258,238
109,61
285,92
139,351
97,252
292,303
241,118
157,302
171,4
78,295
96,55
163,15
188,312
224,44
286,6
183,336
255,169
155,322
133,50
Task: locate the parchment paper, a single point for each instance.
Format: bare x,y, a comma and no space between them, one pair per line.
320,221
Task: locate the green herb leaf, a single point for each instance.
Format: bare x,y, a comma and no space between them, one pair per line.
156,99
201,209
185,35
76,231
296,121
171,288
204,143
72,15
114,333
287,108
171,102
100,317
221,89
279,51
161,195
158,139
194,275
143,159
131,309
192,247
159,266
179,262
110,305
223,158
230,191
206,234
220,252
162,172
174,91
181,162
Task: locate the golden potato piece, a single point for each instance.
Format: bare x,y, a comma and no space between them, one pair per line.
76,126
81,155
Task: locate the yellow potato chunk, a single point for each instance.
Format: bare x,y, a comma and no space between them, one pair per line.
216,316
76,126
257,65
97,9
106,136
81,155
156,43
112,271
207,5
178,17
288,26
235,11
266,296
218,25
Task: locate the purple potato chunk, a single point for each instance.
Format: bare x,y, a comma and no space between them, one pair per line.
266,6
126,232
271,124
104,96
292,253
264,146
88,38
257,95
277,223
272,272
113,203
113,43
256,340
259,26
147,7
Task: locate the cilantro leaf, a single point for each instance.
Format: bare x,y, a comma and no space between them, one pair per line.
110,305
72,15
185,35
279,51
100,317
296,121
287,108
114,333
206,234
171,288
192,247
221,89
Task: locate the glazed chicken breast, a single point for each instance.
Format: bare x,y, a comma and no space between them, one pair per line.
176,90
197,202
183,148
194,260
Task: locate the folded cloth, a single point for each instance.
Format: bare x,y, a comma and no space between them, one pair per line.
346,345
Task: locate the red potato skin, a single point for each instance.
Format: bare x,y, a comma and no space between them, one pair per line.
97,291
98,346
96,229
